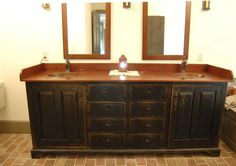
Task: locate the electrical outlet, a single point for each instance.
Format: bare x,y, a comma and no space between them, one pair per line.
45,56
199,57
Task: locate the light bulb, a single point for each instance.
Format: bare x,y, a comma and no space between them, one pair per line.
123,65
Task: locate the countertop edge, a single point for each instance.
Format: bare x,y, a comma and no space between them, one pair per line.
30,74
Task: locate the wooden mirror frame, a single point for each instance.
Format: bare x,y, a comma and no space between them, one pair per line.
186,36
86,56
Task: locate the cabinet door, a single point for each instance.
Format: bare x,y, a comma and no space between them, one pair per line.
44,115
207,115
71,108
196,115
56,114
181,118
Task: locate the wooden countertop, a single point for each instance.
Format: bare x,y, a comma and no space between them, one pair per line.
99,72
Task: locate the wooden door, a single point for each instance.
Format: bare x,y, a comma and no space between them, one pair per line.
71,107
181,117
56,114
196,115
44,115
208,110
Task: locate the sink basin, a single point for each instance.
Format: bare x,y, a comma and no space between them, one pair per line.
63,74
188,75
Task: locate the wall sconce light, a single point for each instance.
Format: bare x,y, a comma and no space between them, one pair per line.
46,6
206,5
123,64
126,5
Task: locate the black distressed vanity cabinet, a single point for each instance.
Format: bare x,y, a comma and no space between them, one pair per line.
57,114
196,115
114,117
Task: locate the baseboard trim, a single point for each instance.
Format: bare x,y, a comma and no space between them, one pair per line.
14,126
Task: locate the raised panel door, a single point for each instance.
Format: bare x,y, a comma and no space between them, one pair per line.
44,115
196,115
71,119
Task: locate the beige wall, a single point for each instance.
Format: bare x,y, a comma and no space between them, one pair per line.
27,32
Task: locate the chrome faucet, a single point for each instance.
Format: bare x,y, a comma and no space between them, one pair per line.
183,66
68,64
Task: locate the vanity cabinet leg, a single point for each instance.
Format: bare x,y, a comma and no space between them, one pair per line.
36,155
214,153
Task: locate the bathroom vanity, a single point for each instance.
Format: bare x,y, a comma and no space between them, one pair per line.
88,111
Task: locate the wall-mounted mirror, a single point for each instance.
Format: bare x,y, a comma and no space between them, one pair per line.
86,30
166,27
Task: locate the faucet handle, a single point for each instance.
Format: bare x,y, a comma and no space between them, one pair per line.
183,65
67,60
68,64
184,61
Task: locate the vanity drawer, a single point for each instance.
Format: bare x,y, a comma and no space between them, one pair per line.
146,141
107,92
147,125
107,109
142,109
148,92
107,141
106,125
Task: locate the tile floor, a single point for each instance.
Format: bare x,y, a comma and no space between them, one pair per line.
15,151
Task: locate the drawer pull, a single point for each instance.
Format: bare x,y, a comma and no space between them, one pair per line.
148,109
107,140
107,124
149,91
148,125
147,140
107,108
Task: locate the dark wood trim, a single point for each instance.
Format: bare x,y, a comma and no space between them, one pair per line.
220,71
37,153
31,71
64,29
187,29
145,22
14,126
86,56
108,31
186,37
